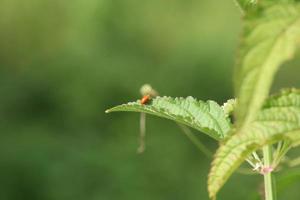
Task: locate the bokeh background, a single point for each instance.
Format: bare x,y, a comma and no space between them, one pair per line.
62,63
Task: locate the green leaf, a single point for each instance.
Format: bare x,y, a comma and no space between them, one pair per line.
271,34
229,106
207,117
278,120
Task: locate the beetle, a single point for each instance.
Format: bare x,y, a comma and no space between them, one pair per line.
145,99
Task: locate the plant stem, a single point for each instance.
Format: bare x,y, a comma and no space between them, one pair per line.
142,144
195,141
269,192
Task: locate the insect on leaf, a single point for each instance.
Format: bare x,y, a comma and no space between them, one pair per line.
207,117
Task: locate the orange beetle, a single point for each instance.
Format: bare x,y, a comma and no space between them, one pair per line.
145,99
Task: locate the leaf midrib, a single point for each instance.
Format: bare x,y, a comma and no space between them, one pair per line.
261,69
215,133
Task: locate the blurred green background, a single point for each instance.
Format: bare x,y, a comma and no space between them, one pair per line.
62,63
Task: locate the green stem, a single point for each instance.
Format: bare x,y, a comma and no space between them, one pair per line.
195,141
142,145
269,192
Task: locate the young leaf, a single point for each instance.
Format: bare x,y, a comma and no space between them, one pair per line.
207,117
278,120
271,35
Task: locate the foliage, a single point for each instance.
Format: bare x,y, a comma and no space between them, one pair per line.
279,119
63,63
207,117
271,35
